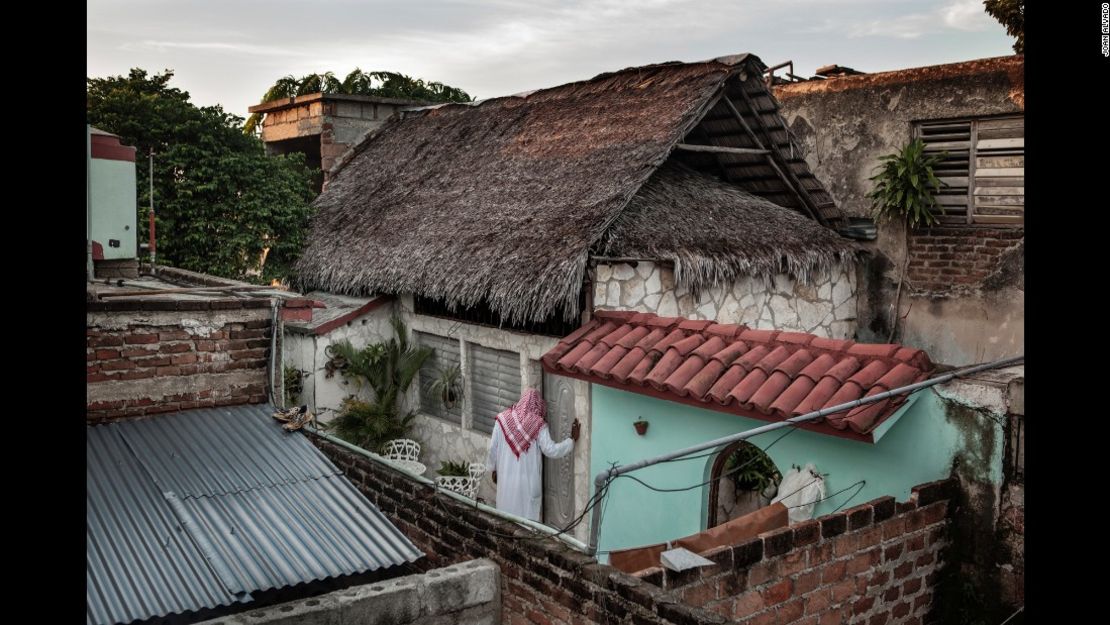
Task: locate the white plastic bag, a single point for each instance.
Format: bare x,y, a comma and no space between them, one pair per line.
800,491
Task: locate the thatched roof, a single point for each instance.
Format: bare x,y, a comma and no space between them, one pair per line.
503,201
715,232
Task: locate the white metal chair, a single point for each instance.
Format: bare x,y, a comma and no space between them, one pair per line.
405,453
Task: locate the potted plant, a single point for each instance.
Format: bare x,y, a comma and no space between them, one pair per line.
448,386
460,477
641,426
754,476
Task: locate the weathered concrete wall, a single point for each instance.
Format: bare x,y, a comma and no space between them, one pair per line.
845,125
174,355
308,354
988,534
825,305
338,123
467,593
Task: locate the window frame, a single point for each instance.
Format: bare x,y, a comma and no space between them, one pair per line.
467,420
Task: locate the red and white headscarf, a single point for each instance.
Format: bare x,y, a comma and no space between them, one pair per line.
521,423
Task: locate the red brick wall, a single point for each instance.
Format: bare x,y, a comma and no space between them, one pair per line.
543,581
945,258
875,563
152,357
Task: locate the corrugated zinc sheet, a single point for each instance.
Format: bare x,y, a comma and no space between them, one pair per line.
199,509
139,562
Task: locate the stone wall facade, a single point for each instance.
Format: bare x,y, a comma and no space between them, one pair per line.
163,356
825,305
876,563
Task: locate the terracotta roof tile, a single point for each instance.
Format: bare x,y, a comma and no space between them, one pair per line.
733,368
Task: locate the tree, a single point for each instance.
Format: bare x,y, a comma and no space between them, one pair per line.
358,82
222,205
1011,14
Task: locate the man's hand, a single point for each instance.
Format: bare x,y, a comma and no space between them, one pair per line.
575,430
494,476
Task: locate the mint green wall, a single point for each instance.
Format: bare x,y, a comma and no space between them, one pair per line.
918,448
113,198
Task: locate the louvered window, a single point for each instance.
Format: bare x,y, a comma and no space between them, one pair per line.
494,383
444,356
983,168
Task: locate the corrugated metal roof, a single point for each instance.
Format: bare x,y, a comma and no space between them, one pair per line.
198,509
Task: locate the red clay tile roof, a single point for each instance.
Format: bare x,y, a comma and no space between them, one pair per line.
765,374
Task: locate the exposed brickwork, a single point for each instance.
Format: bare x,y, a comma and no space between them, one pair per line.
543,581
943,259
873,563
143,362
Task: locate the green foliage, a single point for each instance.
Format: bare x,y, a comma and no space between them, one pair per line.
358,82
294,384
750,468
905,185
1011,14
448,385
222,206
451,468
388,368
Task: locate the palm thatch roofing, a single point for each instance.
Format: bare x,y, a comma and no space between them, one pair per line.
503,202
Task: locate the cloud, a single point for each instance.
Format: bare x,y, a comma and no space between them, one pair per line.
968,15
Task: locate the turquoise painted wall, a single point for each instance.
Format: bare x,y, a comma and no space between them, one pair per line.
918,448
113,198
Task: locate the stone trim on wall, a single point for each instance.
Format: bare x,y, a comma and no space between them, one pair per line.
824,306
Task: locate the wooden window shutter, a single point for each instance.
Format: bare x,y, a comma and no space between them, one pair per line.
494,384
999,179
954,139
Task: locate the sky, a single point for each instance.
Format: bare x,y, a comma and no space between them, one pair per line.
229,52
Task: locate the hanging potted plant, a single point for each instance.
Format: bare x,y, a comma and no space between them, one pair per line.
448,386
641,426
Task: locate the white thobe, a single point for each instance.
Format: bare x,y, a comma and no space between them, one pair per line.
520,480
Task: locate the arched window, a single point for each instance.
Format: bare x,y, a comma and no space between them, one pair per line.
745,480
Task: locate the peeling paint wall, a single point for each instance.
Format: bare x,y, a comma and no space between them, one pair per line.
824,305
988,531
845,125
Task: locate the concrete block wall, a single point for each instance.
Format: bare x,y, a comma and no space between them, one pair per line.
879,562
162,356
468,593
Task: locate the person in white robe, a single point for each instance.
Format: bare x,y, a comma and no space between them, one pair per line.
520,435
